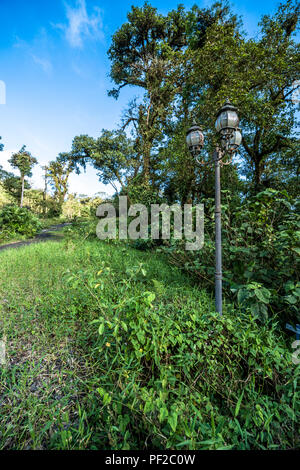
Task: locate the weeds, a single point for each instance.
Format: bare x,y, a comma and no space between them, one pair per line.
111,348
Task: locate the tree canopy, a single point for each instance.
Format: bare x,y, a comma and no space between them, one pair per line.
24,162
184,64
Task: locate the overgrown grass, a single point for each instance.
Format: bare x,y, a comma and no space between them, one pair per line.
46,224
110,347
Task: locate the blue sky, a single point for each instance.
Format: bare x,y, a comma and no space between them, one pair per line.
54,64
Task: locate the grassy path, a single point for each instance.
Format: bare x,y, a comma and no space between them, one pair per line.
108,347
45,235
48,389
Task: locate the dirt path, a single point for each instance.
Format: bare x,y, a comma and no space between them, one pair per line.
44,236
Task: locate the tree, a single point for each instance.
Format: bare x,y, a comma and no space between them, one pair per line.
185,64
145,53
260,77
152,52
58,172
113,154
45,189
24,162
269,114
12,184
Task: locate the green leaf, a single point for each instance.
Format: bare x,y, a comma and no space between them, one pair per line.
242,295
141,337
163,414
263,295
172,420
238,405
106,399
291,299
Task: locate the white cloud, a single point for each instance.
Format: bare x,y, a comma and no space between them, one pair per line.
81,25
45,64
40,43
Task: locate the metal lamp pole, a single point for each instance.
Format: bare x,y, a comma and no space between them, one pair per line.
227,125
218,235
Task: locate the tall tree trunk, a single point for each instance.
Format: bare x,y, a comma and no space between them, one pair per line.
144,123
61,199
22,190
146,161
45,194
258,169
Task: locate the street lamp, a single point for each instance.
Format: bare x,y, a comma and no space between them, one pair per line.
195,140
227,127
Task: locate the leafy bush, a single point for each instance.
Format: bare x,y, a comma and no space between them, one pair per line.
84,207
176,375
128,354
260,253
16,221
5,198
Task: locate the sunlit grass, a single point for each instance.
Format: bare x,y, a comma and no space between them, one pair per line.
45,386
111,347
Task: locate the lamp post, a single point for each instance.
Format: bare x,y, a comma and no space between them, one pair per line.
227,127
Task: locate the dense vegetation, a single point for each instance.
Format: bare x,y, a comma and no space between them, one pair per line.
261,247
16,221
186,63
111,348
116,345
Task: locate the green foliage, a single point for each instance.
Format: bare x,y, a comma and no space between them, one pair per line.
180,376
133,353
256,297
58,172
16,221
80,207
140,43
260,75
112,154
12,184
142,193
146,53
23,161
180,63
261,241
5,197
38,202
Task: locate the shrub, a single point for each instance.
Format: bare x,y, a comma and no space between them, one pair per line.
16,221
5,198
176,375
260,250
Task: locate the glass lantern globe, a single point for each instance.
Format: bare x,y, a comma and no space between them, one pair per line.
227,119
232,142
195,140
